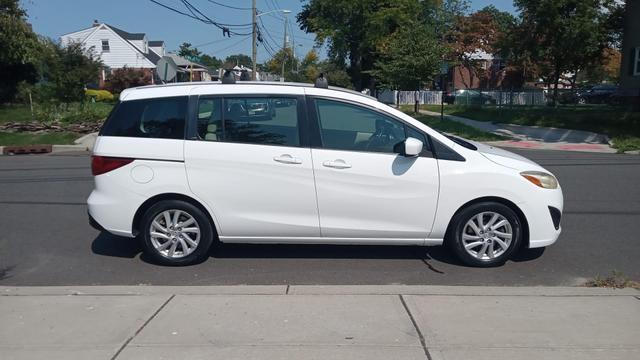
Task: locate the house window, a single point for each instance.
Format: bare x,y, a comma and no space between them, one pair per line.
636,63
105,45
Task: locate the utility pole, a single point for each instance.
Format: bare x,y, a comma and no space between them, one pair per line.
284,47
255,39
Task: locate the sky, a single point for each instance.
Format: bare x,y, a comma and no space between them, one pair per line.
54,18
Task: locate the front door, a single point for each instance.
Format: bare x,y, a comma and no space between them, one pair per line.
247,162
366,190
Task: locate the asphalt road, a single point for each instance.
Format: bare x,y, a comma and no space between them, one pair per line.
45,238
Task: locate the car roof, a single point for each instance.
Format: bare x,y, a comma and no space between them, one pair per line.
186,88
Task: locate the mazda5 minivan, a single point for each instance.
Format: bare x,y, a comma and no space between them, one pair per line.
184,166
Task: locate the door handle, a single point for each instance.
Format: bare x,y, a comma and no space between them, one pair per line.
336,164
287,159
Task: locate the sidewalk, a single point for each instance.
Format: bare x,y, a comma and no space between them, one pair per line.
319,322
536,137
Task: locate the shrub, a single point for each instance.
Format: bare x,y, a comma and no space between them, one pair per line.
125,78
98,95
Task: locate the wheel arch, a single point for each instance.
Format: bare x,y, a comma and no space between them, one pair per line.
500,200
135,226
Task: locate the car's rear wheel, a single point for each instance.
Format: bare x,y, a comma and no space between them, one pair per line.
485,234
176,233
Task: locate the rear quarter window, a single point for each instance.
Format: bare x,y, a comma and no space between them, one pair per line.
162,118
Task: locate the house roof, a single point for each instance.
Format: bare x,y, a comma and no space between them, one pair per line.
127,35
180,61
156,43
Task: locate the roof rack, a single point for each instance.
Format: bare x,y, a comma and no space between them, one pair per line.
271,83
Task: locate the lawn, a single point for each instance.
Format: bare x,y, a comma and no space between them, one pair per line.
622,126
455,128
58,138
15,113
65,113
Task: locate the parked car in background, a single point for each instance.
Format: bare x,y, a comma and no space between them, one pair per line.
468,97
599,94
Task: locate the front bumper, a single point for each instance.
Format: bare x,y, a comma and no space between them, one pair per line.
544,215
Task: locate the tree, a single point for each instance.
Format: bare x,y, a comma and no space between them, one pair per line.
19,46
274,65
353,29
66,71
562,36
188,52
411,57
125,78
237,60
211,62
471,36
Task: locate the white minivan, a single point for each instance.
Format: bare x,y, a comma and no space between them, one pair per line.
182,166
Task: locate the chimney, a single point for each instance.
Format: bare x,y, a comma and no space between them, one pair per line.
95,23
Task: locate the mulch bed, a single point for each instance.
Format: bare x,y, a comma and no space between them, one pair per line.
36,127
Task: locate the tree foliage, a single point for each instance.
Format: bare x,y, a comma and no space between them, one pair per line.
18,49
210,61
409,57
187,51
237,59
361,34
66,71
561,36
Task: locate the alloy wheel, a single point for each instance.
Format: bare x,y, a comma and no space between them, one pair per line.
487,235
174,233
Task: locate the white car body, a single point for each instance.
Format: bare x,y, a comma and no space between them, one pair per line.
278,194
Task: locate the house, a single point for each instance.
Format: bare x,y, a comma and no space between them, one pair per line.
189,70
488,72
118,48
630,66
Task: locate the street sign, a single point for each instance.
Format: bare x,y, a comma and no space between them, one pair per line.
166,69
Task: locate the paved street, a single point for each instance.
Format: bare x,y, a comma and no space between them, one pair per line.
45,238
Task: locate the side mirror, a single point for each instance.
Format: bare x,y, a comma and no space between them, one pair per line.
412,147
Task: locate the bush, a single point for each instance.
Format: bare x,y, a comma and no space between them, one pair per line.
125,78
98,95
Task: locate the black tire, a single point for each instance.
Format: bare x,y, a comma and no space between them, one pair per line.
459,222
201,251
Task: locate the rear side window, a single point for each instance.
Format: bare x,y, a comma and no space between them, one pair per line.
162,118
259,120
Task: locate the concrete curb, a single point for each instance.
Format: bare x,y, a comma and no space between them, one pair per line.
316,290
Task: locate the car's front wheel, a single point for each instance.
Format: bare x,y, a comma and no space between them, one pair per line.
176,233
485,234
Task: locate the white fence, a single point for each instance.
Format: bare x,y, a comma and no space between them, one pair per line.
499,97
408,97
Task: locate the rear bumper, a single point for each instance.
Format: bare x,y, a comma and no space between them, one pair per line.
94,224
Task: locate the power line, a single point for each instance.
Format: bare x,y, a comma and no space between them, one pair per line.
229,6
211,42
207,21
234,44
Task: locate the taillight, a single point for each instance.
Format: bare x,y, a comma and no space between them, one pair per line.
104,164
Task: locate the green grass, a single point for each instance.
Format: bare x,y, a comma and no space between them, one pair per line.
15,113
57,138
621,125
455,128
65,113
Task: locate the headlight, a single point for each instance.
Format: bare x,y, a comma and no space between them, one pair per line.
541,179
